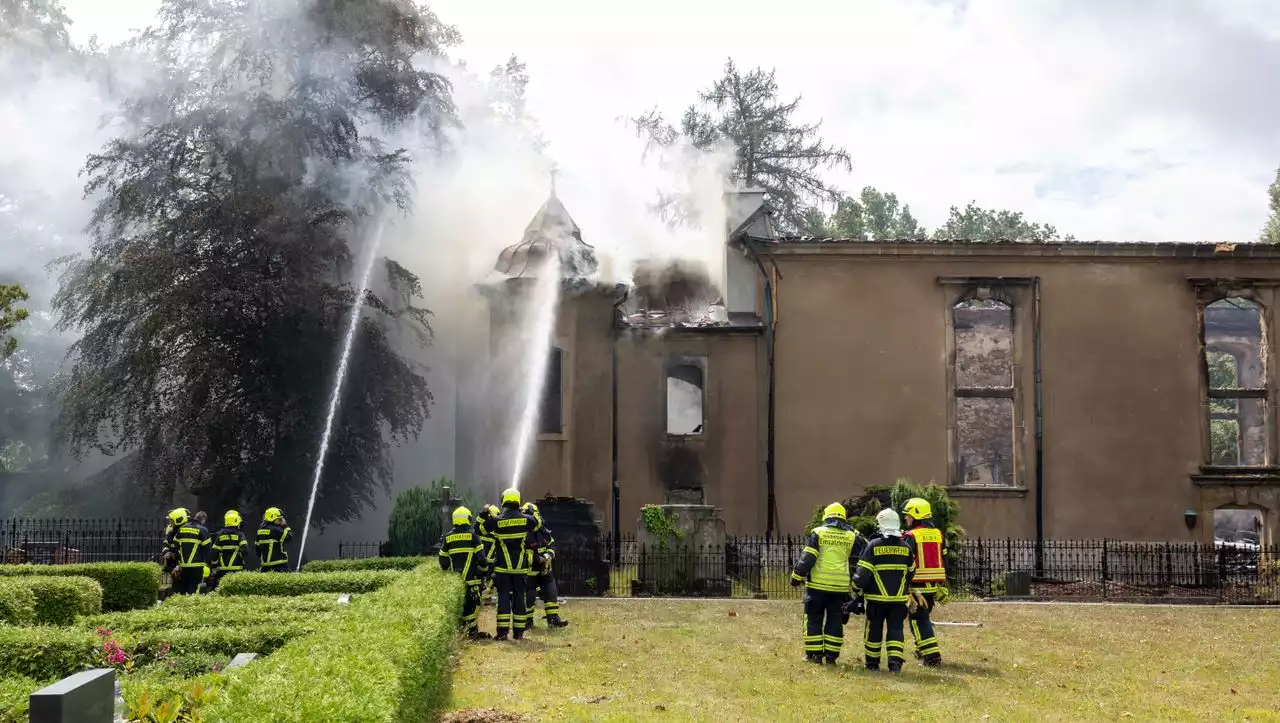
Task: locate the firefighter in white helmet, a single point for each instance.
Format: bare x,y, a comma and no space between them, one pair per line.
884,577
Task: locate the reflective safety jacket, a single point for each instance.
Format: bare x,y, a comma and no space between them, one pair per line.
193,543
270,545
931,555
485,538
462,551
829,557
885,569
230,544
513,535
543,542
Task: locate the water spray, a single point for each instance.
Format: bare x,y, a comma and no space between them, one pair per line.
347,343
546,296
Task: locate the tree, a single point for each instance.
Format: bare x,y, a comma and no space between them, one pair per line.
982,224
1271,231
873,216
10,316
772,150
218,286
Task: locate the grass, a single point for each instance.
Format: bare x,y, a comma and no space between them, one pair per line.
740,660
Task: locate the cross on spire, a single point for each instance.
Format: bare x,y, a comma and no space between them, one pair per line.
553,173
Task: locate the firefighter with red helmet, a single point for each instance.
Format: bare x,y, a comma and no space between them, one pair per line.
929,584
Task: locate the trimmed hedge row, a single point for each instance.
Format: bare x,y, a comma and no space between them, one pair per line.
44,600
17,603
46,652
386,659
217,611
274,583
125,585
367,563
15,693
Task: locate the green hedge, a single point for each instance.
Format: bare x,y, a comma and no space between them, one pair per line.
45,652
275,583
146,646
60,600
217,611
125,585
367,563
15,693
17,602
386,659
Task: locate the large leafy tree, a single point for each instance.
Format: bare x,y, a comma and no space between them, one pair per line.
983,224
874,215
773,149
1271,230
10,316
217,292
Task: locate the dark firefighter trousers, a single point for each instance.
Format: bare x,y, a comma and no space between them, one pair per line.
471,605
823,623
543,585
188,582
511,601
922,630
881,615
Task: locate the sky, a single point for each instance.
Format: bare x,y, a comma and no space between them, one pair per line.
1116,120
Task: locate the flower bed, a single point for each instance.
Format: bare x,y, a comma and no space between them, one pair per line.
274,583
125,585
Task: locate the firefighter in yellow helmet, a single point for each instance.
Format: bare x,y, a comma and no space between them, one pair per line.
513,536
193,545
884,578
542,580
169,548
229,547
272,536
488,512
824,568
462,551
929,585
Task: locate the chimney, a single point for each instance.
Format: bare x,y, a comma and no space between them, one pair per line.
740,271
740,203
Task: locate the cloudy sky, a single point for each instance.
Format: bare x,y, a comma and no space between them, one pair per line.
1112,119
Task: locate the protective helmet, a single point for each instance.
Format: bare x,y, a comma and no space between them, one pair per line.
529,508
462,516
272,514
836,510
179,516
231,519
511,496
888,522
918,508
493,510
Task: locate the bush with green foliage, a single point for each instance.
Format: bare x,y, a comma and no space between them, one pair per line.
862,511
271,583
387,658
46,652
146,646
416,524
367,563
15,694
125,585
17,602
60,600
202,611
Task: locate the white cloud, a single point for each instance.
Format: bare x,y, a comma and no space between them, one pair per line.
1113,119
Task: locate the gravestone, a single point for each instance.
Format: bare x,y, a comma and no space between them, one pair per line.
580,567
241,660
86,697
691,562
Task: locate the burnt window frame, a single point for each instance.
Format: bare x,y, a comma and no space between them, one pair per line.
1260,292
559,353
1016,293
703,363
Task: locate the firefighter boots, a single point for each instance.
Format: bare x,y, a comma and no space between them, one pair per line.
556,621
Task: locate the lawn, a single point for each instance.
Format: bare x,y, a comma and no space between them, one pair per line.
741,660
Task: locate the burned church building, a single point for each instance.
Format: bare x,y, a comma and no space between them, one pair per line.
1070,390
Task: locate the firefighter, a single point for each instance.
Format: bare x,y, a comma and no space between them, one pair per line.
542,580
194,544
513,538
884,578
930,581
824,568
272,536
462,551
169,549
229,548
488,512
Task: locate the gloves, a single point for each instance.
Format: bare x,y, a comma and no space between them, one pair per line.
858,606
915,601
796,582
942,596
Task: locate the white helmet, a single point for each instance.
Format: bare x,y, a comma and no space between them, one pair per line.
888,522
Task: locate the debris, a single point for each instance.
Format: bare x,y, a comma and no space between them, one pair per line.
659,707
957,625
733,614
483,715
596,699
1224,248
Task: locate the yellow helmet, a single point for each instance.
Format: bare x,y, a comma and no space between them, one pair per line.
231,519
511,496
272,514
179,516
529,508
919,508
462,516
835,509
493,510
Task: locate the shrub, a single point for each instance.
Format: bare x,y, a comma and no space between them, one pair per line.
147,646
15,693
46,653
416,523
125,585
386,659
368,563
17,603
60,600
198,611
274,583
158,695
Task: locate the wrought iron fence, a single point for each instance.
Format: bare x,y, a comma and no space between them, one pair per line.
755,566
64,541
360,550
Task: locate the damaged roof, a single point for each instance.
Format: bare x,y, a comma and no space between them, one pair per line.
552,230
1025,248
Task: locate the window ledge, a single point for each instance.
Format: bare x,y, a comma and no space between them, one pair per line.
986,491
556,437
1236,476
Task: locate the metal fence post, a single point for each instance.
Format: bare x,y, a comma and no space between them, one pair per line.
1105,570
